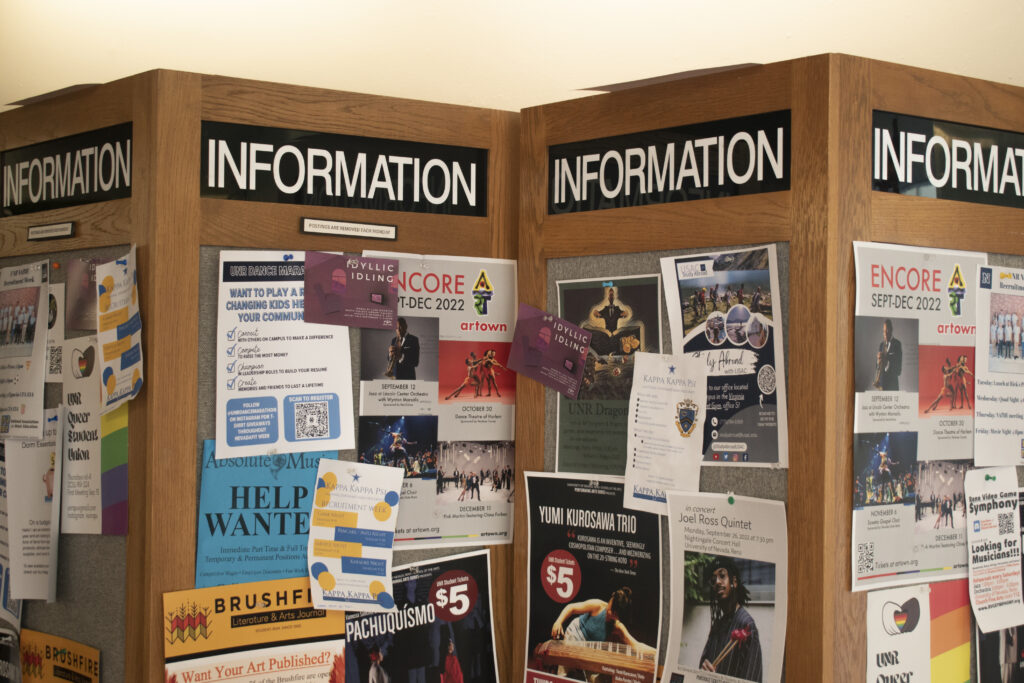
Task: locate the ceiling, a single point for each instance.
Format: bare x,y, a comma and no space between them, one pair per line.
503,55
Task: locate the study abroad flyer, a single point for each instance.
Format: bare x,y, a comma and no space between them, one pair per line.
282,384
725,308
442,626
624,316
914,336
437,399
265,630
593,582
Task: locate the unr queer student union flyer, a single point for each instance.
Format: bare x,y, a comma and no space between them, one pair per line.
252,633
282,384
914,366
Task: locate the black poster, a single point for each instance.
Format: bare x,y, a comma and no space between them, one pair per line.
594,582
77,169
283,166
745,155
945,160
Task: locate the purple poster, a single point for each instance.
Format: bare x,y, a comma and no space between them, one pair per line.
550,350
347,289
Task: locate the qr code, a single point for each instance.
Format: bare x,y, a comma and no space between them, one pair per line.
865,558
56,357
1005,522
311,421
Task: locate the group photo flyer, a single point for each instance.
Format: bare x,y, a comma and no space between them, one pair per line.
47,658
352,290
999,368
666,419
23,296
33,509
254,516
252,633
440,632
725,308
623,315
118,331
351,535
593,582
730,590
437,398
920,633
282,383
994,547
913,420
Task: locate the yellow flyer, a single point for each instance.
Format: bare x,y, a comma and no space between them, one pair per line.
252,632
47,658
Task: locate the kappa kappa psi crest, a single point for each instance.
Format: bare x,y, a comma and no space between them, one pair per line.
686,417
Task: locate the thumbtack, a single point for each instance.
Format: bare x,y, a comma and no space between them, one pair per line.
990,477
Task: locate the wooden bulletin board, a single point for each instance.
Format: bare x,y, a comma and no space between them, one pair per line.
171,224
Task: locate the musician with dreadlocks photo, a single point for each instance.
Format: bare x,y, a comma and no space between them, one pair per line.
733,647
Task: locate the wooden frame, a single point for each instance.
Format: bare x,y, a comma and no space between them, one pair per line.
169,221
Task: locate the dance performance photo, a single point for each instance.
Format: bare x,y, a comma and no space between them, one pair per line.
409,442
884,469
475,372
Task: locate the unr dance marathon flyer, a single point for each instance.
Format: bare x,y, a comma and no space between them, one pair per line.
593,582
269,630
725,308
730,597
281,382
23,293
438,401
914,335
442,626
624,316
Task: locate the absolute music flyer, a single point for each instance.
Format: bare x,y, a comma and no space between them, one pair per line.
251,633
725,307
624,316
23,294
729,562
999,368
282,384
442,627
438,401
254,516
914,335
593,582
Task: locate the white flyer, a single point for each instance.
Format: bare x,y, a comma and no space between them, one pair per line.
10,608
351,535
729,562
55,334
999,368
33,510
913,421
81,501
666,421
994,547
119,331
725,308
23,293
282,384
437,399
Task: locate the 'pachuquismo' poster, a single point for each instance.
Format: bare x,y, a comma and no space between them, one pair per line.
594,582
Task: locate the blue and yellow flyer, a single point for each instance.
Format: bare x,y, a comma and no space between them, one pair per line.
119,331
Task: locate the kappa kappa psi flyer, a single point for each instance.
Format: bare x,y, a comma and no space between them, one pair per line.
281,383
437,398
251,633
730,588
724,307
914,367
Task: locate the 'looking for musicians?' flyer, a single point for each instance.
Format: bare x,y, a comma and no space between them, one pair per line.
913,417
724,307
594,582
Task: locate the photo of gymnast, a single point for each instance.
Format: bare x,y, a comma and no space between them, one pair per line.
409,442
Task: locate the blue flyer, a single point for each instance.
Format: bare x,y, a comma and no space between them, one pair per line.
254,516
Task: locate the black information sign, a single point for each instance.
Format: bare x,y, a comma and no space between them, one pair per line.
283,166
944,160
745,155
77,169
